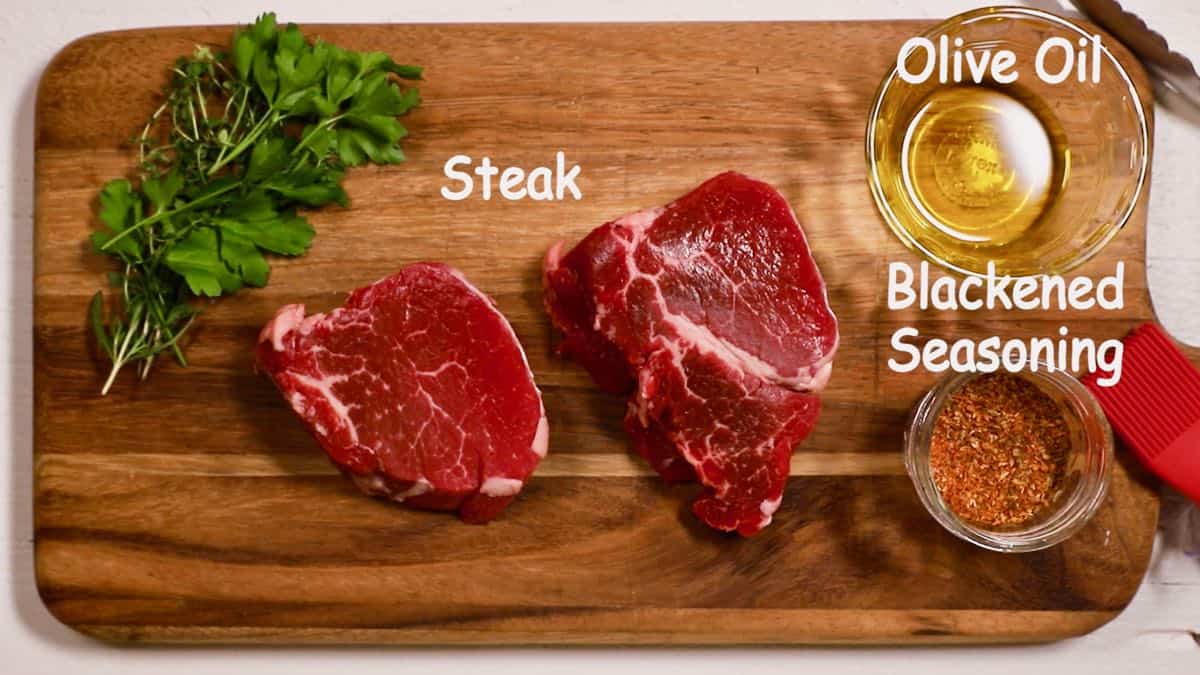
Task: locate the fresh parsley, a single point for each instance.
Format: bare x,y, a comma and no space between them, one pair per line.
242,142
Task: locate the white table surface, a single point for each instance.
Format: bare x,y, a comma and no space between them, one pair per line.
1151,636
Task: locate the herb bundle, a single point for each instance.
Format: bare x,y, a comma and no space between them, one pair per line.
241,142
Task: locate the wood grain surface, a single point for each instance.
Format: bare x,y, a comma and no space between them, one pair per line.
194,507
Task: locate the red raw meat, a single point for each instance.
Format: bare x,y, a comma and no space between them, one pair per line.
713,313
417,389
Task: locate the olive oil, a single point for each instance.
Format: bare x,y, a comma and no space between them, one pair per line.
977,169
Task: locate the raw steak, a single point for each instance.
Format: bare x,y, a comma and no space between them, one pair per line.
417,389
713,313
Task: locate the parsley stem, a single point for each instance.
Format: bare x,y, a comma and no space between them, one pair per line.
312,133
146,222
237,121
263,125
117,364
121,355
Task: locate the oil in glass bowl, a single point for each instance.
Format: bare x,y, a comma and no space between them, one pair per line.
980,165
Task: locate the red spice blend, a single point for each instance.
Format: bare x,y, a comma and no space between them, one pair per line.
999,450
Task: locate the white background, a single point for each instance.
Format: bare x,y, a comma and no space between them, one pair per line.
1150,637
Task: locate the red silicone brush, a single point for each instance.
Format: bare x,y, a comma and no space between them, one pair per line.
1155,407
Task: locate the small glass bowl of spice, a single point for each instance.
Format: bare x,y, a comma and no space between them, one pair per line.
1012,462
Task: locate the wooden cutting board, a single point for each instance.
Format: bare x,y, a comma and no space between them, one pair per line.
193,507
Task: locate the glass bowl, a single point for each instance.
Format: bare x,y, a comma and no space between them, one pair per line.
1086,473
1034,176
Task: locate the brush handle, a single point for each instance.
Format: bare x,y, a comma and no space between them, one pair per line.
1184,454
1179,464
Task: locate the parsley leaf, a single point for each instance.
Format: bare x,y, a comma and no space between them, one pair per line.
120,208
197,258
256,219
